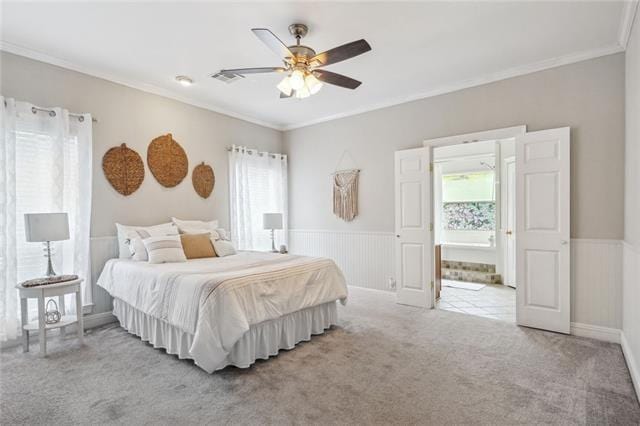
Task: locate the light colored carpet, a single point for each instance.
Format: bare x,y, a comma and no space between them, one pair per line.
385,363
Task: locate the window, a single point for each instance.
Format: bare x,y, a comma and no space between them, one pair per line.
468,201
45,166
257,185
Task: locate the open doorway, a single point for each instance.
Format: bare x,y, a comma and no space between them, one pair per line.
542,223
474,212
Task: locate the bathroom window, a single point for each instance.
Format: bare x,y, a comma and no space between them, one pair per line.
468,201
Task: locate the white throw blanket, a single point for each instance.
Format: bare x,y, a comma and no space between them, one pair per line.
218,299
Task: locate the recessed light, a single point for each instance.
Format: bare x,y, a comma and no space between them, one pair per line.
184,80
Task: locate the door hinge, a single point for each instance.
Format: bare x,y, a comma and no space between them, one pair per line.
432,284
431,167
431,226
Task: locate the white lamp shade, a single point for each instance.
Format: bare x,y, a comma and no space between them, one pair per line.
272,221
46,227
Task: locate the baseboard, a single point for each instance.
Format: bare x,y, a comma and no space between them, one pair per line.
96,320
631,363
595,332
387,291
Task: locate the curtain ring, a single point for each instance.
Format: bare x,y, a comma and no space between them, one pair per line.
81,118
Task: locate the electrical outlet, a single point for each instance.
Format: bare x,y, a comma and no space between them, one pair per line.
392,283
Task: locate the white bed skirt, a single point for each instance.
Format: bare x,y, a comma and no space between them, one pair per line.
260,342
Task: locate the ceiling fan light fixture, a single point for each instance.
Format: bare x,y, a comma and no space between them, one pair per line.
285,86
313,84
303,92
296,79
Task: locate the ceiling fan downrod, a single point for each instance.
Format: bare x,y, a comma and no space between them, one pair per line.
298,31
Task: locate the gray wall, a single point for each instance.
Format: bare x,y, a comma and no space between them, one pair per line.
588,96
135,118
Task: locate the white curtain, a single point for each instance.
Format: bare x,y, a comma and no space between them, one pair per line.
46,160
257,185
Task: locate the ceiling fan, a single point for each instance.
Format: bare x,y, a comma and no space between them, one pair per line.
301,64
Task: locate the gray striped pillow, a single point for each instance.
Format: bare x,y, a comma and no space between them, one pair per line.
164,249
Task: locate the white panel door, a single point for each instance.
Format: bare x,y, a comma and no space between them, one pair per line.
542,230
413,237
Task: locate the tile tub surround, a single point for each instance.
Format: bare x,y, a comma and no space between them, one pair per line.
470,272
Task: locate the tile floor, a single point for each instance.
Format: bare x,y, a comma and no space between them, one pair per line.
493,301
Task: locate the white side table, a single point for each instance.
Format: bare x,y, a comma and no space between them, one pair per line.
41,293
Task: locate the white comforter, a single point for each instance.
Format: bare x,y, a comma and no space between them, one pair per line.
218,299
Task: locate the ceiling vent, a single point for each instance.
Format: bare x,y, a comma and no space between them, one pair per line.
226,77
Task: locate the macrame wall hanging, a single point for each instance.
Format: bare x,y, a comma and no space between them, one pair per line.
345,191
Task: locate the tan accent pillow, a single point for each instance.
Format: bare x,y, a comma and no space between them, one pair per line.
197,246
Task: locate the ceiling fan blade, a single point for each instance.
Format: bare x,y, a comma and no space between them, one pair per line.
283,96
337,79
341,53
273,43
242,71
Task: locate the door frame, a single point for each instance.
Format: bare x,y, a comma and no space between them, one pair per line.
505,191
483,136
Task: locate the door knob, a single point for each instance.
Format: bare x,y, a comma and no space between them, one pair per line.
564,242
509,232
398,236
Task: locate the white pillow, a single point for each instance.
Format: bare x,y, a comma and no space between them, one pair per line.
194,226
223,248
164,249
222,234
126,232
138,251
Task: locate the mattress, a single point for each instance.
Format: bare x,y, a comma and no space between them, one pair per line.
218,300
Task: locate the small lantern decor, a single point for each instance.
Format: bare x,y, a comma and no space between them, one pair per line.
52,315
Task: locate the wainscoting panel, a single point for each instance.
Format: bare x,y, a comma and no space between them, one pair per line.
102,249
630,338
366,258
596,282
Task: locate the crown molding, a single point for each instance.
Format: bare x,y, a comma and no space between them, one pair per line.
626,22
474,82
145,87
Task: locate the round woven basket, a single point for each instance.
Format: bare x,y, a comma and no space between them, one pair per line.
203,179
167,161
123,168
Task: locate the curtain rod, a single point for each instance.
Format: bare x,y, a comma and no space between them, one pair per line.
249,151
52,113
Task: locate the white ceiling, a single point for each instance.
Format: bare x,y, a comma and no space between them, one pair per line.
419,49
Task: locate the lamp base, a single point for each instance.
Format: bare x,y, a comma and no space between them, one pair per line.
50,271
273,242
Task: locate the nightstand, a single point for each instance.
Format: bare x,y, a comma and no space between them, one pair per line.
42,293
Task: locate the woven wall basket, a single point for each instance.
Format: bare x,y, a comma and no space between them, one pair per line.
167,161
123,168
203,179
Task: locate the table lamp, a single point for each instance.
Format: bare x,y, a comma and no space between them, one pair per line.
46,227
272,221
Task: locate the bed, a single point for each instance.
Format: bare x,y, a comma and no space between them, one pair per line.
228,310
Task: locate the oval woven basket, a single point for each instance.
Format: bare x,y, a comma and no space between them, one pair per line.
167,161
203,179
123,168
